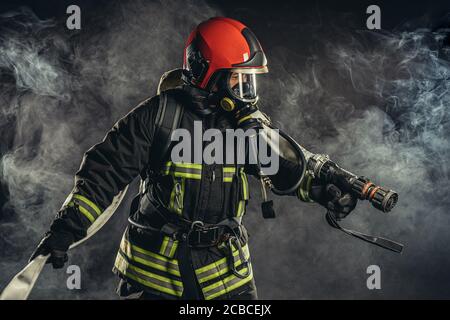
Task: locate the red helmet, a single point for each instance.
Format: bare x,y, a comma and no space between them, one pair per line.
222,44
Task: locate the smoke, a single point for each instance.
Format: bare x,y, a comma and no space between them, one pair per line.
376,102
61,91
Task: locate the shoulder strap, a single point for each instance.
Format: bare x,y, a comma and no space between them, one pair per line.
168,118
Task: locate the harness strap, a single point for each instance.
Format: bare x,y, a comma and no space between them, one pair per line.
168,119
378,241
196,233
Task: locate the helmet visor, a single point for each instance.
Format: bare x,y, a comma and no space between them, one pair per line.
243,85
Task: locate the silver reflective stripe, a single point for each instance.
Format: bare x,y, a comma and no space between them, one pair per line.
186,170
220,267
245,195
149,258
213,273
153,263
168,247
194,171
148,276
149,279
228,174
227,285
86,207
182,170
218,271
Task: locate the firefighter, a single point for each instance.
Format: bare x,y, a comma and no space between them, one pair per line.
185,239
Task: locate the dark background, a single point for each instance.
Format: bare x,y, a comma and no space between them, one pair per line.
375,101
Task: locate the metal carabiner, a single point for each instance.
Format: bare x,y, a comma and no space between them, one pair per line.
178,194
245,262
197,222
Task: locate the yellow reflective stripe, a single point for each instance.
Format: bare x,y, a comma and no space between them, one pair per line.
147,273
229,288
183,174
145,259
228,173
213,265
174,248
221,282
172,197
187,175
303,191
88,202
155,266
154,275
240,208
171,168
86,213
154,286
243,119
183,170
184,165
154,255
218,262
122,265
164,245
221,272
183,186
244,185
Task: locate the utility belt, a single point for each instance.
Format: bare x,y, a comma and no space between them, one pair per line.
226,234
196,234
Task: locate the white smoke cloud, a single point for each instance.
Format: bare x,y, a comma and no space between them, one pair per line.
377,103
63,90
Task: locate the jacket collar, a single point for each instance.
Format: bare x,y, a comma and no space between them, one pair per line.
200,100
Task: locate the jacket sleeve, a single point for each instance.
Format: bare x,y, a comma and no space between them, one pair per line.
286,177
107,168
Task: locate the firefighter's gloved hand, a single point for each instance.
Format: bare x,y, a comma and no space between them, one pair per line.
332,198
56,244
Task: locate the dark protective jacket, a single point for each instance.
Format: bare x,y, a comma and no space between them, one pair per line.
150,260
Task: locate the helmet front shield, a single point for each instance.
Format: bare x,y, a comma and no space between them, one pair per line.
242,83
